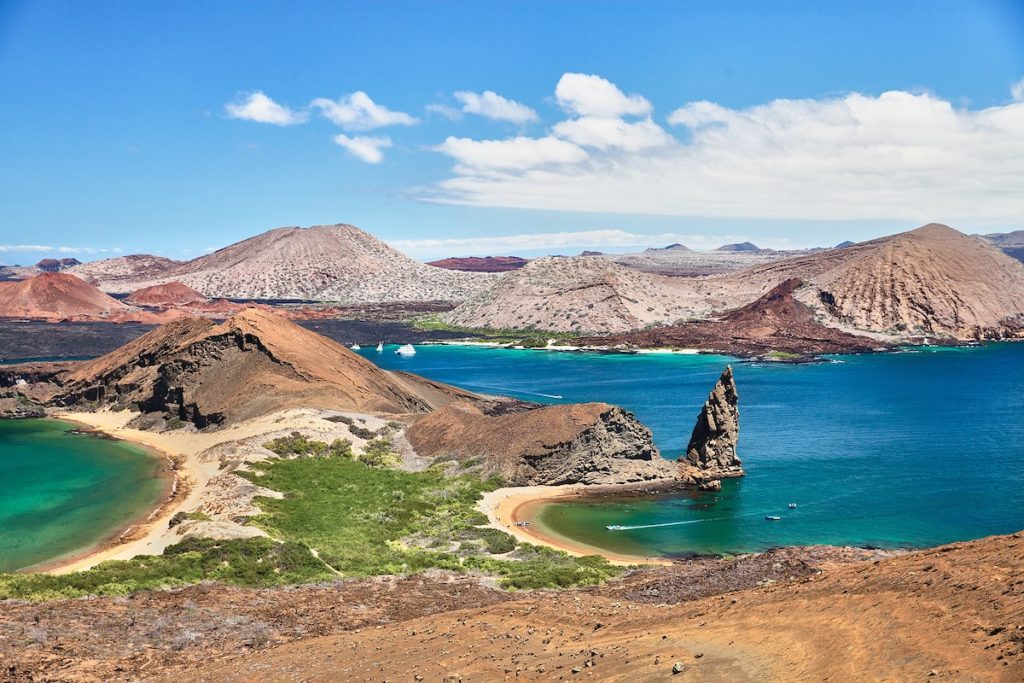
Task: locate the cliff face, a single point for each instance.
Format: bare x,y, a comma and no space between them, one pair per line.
712,446
590,443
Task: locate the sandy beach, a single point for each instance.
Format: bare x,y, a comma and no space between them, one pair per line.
506,506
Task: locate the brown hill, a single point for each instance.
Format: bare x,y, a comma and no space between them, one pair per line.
583,294
251,364
114,274
56,296
775,322
325,263
170,294
930,281
477,264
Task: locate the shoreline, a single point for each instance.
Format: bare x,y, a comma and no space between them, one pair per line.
148,537
506,506
167,473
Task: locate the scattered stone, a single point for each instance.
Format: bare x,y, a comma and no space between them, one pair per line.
677,668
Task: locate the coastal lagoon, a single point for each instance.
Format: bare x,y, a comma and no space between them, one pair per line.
896,450
62,492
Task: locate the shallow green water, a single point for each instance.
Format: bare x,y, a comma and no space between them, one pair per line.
61,492
892,450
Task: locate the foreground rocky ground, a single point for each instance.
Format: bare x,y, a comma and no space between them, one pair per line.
952,613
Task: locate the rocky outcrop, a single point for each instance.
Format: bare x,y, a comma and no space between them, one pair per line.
712,447
589,443
15,405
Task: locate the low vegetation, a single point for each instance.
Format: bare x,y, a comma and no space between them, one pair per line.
528,337
341,515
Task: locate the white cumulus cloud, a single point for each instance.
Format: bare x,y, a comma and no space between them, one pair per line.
897,155
513,154
493,106
1017,91
589,95
358,112
258,107
363,147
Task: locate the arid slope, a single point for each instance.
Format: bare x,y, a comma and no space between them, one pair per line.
56,296
583,294
932,281
325,263
955,613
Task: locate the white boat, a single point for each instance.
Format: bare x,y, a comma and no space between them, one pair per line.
380,347
614,527
792,506
355,347
406,350
772,518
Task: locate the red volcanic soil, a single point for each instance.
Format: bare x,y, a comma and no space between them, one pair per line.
486,264
56,296
170,294
775,322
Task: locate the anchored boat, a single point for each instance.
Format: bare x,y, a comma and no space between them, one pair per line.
406,350
772,518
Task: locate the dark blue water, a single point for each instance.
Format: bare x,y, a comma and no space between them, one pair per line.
891,450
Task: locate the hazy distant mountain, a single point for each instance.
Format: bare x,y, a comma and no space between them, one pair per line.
843,245
117,274
325,263
1005,239
477,264
53,265
739,246
1011,243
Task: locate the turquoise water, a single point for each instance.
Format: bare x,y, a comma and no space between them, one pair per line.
891,450
62,492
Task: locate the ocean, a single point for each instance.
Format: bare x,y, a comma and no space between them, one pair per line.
62,492
895,450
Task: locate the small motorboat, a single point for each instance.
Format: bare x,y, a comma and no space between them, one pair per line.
355,347
772,518
522,524
380,347
792,506
614,527
406,350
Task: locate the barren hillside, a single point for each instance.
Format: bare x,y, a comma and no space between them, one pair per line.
113,274
584,294
954,613
56,296
325,263
931,281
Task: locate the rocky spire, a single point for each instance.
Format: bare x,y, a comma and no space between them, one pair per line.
712,446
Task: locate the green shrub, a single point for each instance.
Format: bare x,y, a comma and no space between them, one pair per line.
343,419
379,453
254,562
362,432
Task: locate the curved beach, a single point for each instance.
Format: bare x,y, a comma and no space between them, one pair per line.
506,506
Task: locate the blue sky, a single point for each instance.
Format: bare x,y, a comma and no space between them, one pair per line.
617,125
